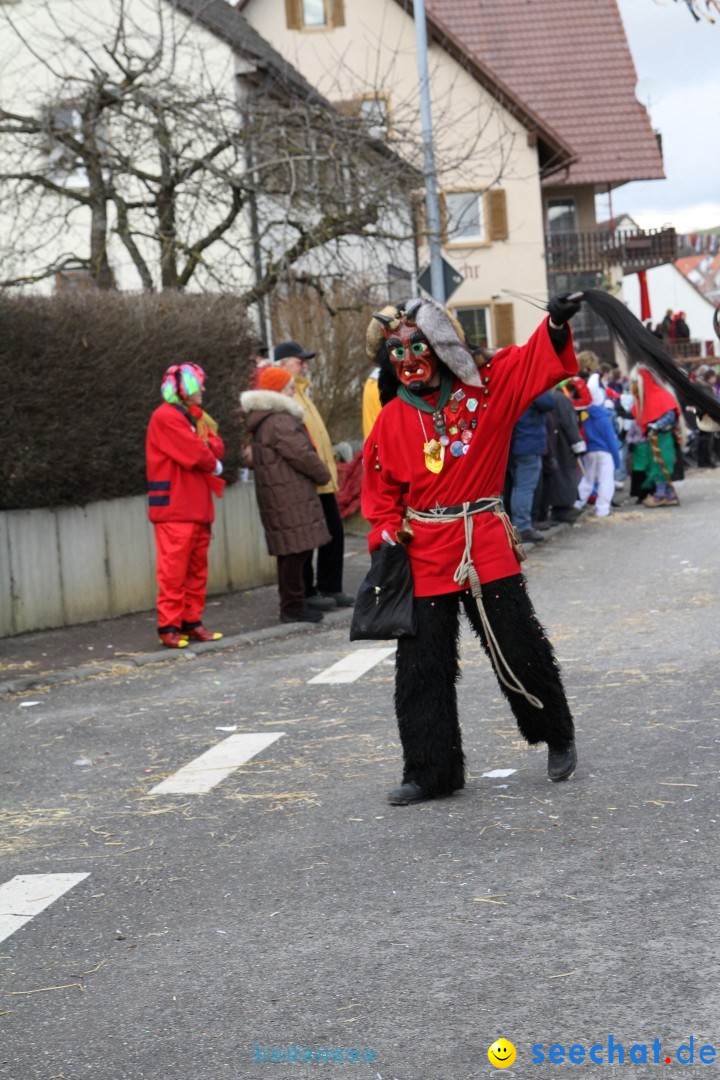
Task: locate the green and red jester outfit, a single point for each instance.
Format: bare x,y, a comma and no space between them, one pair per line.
434,471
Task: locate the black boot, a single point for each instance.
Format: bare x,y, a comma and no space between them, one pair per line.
562,761
407,793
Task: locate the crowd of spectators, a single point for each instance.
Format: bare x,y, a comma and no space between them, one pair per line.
579,444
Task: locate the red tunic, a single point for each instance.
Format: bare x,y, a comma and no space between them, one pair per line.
513,379
655,400
179,465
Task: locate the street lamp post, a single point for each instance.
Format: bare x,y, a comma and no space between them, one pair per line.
431,194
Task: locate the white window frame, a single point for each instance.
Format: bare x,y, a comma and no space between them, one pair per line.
326,25
69,173
376,127
472,238
567,200
458,309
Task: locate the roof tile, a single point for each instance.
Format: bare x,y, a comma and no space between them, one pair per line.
572,64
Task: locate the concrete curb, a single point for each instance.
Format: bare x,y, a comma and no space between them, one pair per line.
237,641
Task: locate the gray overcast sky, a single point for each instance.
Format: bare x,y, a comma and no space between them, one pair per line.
678,66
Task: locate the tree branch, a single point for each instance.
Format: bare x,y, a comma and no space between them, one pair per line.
202,245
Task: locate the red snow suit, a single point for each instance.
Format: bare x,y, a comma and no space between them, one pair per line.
179,472
178,466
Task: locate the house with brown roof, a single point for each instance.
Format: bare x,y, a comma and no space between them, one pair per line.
534,115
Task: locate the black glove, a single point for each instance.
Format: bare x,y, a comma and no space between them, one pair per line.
561,309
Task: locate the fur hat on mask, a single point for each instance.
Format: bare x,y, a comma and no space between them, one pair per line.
441,329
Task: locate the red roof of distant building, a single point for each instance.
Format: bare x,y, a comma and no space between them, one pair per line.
571,63
707,271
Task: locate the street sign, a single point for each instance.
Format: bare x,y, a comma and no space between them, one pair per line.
451,278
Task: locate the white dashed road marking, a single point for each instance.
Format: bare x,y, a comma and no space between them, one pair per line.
27,895
215,764
352,666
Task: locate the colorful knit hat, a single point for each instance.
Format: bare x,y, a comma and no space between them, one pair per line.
273,378
181,381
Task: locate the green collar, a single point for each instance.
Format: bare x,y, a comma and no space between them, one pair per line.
417,402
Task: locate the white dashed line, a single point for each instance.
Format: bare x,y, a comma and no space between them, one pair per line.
352,666
25,896
215,764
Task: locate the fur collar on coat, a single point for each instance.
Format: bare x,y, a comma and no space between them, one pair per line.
270,401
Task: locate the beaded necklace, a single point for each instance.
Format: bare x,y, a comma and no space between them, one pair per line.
436,410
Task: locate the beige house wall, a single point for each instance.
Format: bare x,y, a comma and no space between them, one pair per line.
479,144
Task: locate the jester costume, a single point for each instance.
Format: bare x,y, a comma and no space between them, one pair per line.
435,465
183,453
657,460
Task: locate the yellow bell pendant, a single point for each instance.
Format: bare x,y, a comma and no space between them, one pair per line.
434,456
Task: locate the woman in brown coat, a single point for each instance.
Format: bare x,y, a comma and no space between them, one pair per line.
287,472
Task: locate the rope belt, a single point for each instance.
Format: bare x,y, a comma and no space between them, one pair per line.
466,572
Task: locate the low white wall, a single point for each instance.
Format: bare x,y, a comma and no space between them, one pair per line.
76,564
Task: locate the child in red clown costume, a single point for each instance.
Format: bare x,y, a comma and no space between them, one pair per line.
434,470
184,453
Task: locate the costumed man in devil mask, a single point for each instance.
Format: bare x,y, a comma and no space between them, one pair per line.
435,466
434,470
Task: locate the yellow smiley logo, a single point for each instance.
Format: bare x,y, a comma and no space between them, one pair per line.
501,1054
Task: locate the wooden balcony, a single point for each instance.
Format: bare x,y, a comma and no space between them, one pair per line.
683,351
574,252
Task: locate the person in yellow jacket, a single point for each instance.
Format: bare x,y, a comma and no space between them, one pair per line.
327,591
370,402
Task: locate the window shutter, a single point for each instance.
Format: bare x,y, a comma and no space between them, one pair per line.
503,325
337,13
293,14
442,206
422,229
351,107
496,214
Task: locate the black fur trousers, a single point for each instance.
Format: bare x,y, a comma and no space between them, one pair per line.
427,670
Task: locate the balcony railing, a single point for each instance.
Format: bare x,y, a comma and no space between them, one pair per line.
578,251
689,350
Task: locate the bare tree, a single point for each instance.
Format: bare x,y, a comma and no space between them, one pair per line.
332,324
142,151
702,9
221,179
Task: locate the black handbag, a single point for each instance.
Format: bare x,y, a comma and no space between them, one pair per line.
384,606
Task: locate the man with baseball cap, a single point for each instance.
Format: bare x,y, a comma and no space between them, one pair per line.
327,592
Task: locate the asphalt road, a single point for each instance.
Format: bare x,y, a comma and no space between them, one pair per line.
290,906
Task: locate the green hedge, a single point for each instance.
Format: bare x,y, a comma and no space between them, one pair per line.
81,375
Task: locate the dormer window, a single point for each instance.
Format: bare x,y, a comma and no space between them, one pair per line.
374,114
314,14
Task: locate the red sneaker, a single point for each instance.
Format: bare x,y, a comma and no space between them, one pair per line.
199,633
173,639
